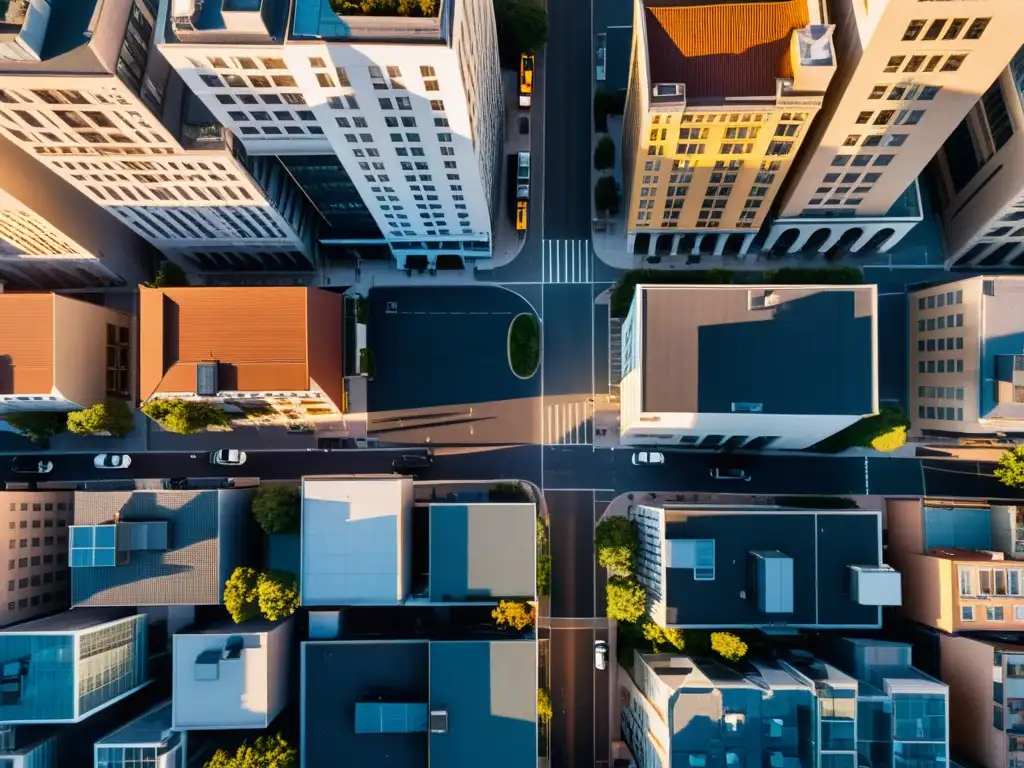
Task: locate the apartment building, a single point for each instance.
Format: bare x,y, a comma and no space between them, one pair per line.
966,367
908,74
37,564
716,567
82,92
981,181
231,676
720,98
752,367
871,707
62,354
272,353
66,667
396,120
984,675
146,742
960,563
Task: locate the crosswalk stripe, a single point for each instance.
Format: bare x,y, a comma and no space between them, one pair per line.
566,261
568,424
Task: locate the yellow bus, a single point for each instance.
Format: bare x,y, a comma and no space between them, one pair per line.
521,206
525,80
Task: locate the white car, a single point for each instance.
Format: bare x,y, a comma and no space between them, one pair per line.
600,654
112,461
229,457
648,457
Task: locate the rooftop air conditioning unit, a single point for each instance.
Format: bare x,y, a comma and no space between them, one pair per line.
439,721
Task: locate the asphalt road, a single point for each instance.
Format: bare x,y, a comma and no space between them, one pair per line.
572,538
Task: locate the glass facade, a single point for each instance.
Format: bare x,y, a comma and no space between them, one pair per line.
112,662
140,757
328,186
629,340
38,677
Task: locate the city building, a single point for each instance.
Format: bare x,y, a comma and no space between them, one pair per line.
720,97
966,366
40,752
907,75
752,367
419,702
272,354
682,712
718,567
356,541
982,675
152,548
64,668
981,181
54,236
394,120
61,354
959,562
89,100
146,742
37,565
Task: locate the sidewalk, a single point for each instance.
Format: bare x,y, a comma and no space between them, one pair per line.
507,242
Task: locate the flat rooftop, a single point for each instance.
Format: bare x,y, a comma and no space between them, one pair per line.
149,729
345,20
354,539
722,49
1002,323
487,689
482,552
822,546
790,350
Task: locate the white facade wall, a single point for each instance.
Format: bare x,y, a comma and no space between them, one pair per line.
421,141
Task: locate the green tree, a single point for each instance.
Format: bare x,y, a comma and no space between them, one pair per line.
522,28
627,600
114,417
240,594
542,533
515,614
617,545
1010,471
604,154
606,196
728,646
544,575
266,752
38,426
544,711
169,275
277,595
663,637
277,508
185,417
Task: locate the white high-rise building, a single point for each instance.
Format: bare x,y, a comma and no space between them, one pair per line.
392,123
82,91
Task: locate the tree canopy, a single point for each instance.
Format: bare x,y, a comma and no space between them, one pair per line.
114,417
168,275
522,28
663,638
185,417
515,614
627,600
604,154
617,544
266,752
277,508
38,426
544,711
240,594
1010,471
606,195
277,595
728,646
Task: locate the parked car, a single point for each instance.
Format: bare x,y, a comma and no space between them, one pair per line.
729,474
411,464
600,654
648,457
228,457
112,461
28,465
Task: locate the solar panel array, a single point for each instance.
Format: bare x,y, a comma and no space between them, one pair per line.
93,546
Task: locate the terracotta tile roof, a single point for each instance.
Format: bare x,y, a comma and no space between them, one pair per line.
263,339
26,343
722,49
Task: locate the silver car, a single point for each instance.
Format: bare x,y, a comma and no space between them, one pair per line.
600,654
112,461
228,457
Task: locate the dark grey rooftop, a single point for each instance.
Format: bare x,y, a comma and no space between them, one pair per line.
189,572
336,675
704,348
821,544
489,690
482,552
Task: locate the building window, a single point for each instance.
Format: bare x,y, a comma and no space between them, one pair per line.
994,612
976,29
913,29
118,361
967,613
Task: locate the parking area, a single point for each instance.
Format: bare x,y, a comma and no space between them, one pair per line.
443,346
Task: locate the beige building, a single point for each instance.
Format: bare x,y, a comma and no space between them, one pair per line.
37,553
909,72
90,101
62,354
966,367
984,676
962,563
720,99
981,173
